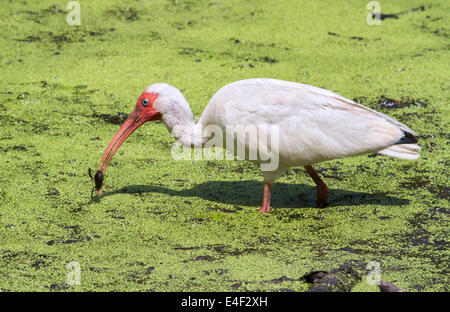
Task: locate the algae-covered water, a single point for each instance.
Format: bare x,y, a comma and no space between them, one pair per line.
170,225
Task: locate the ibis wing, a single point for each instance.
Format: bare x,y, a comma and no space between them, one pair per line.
315,124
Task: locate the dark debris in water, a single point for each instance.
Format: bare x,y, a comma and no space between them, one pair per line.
267,59
236,286
19,148
355,37
331,172
248,59
282,279
117,119
383,16
341,279
54,9
225,250
257,45
58,287
389,287
204,258
52,192
186,248
123,13
29,39
190,51
385,102
38,16
442,192
415,183
77,34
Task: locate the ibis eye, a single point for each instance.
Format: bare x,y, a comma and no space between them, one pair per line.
144,102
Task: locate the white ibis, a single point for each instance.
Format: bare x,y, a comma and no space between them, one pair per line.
314,125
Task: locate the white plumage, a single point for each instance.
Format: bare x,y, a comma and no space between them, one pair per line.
314,124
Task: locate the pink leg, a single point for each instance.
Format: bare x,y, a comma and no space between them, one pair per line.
265,207
322,189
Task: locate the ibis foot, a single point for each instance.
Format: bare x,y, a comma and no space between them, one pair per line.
322,189
322,193
321,204
265,207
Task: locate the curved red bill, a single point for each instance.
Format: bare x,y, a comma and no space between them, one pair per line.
128,127
140,115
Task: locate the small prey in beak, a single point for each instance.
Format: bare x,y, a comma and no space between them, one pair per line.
98,180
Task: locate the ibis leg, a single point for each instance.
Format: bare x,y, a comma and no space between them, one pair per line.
322,189
265,207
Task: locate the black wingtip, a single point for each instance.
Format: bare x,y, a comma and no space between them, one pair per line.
408,138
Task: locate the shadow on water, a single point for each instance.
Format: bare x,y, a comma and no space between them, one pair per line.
249,193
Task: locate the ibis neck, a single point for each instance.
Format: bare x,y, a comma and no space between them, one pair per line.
185,130
189,134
